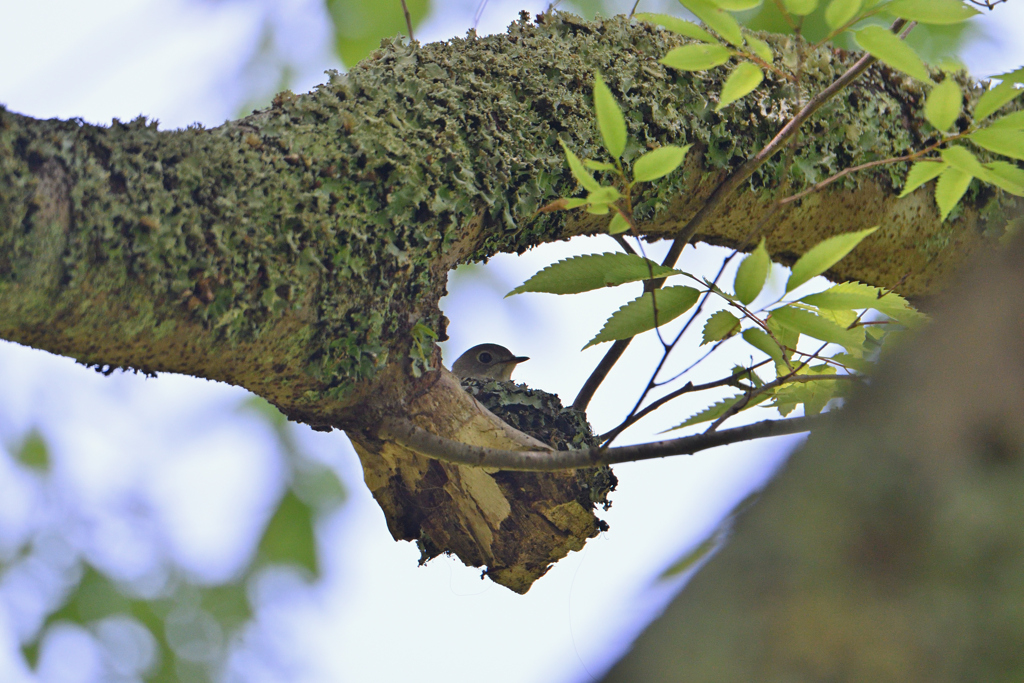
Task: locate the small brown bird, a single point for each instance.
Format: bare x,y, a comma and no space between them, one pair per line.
487,361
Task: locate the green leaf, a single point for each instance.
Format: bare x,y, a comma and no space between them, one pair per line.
920,173
813,395
737,5
598,165
718,409
752,273
960,157
787,338
805,322
1005,175
354,38
889,49
801,8
677,26
609,118
638,315
951,187
854,362
857,295
658,162
1014,121
618,224
716,19
696,57
581,174
763,343
1009,143
694,557
605,194
823,256
33,451
942,108
993,100
931,11
743,79
839,12
592,271
760,48
289,536
721,325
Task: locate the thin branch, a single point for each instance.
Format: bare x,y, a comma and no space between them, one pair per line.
409,435
408,20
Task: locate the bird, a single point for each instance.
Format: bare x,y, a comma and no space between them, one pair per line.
487,361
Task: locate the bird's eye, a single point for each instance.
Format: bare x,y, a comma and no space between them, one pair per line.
485,358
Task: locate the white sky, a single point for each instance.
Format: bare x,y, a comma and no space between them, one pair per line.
375,616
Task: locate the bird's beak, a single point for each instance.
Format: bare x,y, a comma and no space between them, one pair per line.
519,359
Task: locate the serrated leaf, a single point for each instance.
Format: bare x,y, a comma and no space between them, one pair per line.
787,338
718,409
823,256
889,49
1014,121
678,26
857,295
592,271
752,274
743,79
942,108
763,343
718,20
1009,143
720,325
839,12
805,322
993,100
1005,175
581,174
931,11
659,162
800,8
696,57
814,396
609,118
920,173
760,48
960,157
951,187
618,224
638,315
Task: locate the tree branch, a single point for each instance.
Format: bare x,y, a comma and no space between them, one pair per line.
406,434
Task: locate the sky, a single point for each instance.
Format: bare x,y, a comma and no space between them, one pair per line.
375,615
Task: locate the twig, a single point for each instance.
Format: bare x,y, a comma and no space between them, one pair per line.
409,435
408,20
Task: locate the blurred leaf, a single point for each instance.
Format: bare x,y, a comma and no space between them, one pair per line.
1014,121
618,224
693,557
993,100
1005,175
659,162
289,537
743,80
760,48
889,49
823,256
609,118
359,26
33,451
800,7
839,12
696,57
737,5
752,274
942,108
678,26
638,315
931,11
592,271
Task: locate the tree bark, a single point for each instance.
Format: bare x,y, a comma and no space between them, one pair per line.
300,252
